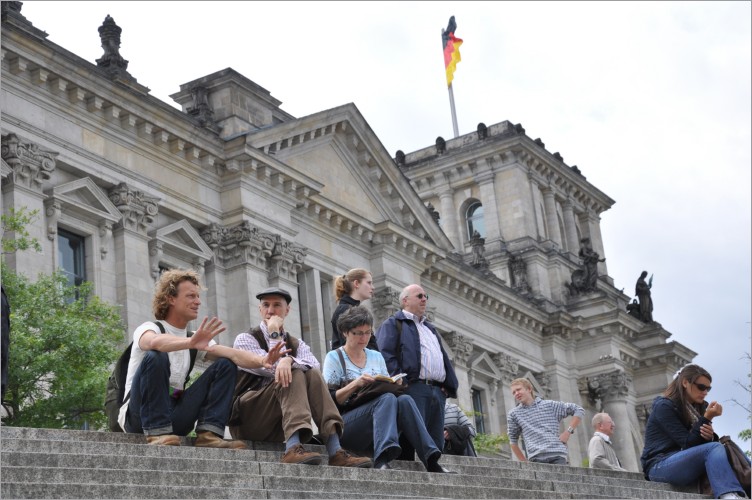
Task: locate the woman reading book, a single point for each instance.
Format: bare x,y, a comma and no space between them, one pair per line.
376,424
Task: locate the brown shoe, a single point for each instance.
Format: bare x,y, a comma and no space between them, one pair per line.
344,458
207,439
164,440
298,455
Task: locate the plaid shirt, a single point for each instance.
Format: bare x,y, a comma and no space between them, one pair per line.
539,425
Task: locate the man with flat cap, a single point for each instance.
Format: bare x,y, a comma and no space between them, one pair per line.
278,404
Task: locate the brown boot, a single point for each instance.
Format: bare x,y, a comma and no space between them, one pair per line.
344,458
207,439
298,455
164,440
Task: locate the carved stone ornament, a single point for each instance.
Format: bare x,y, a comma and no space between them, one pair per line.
610,386
479,249
507,365
112,61
384,303
434,214
461,347
201,108
286,260
518,272
138,209
31,165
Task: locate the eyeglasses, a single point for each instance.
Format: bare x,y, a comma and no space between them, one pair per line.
421,295
702,387
360,334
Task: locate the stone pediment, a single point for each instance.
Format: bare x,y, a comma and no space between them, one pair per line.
85,200
359,180
485,365
182,240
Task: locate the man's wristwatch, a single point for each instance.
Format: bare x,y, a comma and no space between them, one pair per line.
275,335
570,429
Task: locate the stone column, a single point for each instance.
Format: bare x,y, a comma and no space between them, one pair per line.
612,389
132,277
508,366
312,314
449,216
552,221
570,227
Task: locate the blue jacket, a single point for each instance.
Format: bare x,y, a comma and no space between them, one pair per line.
407,358
665,433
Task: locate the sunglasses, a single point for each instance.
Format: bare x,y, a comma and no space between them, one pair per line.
702,387
421,295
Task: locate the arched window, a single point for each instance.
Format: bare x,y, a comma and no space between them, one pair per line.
474,219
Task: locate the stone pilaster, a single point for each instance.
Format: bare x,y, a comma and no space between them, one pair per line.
31,168
449,217
552,221
133,281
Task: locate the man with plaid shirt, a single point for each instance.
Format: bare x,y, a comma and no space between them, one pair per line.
538,422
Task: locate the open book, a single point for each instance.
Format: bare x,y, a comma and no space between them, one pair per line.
390,379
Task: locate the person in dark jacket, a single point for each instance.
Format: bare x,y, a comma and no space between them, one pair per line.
351,289
411,345
680,445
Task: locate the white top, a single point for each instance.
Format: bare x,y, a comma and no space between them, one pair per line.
180,361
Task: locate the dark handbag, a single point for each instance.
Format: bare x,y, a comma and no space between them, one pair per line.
369,392
738,461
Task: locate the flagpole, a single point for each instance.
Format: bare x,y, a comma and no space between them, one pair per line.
451,103
454,113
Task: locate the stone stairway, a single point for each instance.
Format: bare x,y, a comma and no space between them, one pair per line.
46,463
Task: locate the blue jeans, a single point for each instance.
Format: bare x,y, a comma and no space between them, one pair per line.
378,424
208,400
687,466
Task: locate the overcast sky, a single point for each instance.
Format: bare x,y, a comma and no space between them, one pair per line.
651,100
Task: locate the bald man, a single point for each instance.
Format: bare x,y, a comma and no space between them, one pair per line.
600,450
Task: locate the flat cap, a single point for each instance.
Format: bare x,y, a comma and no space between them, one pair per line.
275,291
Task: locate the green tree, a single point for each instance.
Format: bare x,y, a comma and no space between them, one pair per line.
746,434
63,340
15,221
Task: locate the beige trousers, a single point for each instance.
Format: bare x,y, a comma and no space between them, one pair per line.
275,413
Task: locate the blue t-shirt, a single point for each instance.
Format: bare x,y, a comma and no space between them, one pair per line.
375,365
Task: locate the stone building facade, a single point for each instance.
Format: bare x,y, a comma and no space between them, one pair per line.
491,224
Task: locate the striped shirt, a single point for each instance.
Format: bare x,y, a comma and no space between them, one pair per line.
304,359
431,359
539,425
453,415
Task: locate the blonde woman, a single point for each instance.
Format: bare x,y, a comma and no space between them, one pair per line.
351,289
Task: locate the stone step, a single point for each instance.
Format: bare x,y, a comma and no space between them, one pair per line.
464,465
85,464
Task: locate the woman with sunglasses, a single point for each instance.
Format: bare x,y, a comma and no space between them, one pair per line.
377,424
350,289
680,445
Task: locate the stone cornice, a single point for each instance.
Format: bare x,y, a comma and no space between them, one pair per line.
177,135
482,298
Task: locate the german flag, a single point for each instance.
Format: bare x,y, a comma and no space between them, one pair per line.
451,46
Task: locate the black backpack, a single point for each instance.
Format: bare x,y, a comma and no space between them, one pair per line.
114,394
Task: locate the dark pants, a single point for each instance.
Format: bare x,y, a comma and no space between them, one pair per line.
557,460
207,401
430,400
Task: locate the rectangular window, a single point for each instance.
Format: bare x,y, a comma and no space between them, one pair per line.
72,256
480,425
